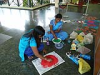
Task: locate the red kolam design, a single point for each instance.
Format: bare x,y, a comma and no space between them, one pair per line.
46,63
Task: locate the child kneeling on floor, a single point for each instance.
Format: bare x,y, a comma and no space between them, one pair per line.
30,44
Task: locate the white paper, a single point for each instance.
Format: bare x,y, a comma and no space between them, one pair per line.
41,69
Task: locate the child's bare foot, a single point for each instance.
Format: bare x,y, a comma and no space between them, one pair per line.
30,57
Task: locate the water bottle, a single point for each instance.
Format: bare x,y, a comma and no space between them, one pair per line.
47,41
85,56
69,41
44,39
74,59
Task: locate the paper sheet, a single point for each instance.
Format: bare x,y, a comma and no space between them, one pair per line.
40,69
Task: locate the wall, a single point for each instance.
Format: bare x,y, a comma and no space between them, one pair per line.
97,53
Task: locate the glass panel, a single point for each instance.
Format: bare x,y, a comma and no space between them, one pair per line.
3,2
24,3
13,2
20,2
52,1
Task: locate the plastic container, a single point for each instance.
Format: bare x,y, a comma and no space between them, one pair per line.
85,56
56,41
58,45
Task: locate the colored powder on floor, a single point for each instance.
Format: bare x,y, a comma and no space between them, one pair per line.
56,40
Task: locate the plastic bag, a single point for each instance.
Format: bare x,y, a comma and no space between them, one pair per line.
83,50
82,34
73,35
80,38
83,66
76,41
88,39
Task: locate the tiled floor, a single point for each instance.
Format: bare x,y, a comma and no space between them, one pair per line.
16,22
4,38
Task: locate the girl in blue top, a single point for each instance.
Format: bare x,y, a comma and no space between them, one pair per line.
56,29
30,44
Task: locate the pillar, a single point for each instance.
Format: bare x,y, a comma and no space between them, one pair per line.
56,3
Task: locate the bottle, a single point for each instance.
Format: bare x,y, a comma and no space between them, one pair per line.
44,39
69,41
73,46
85,56
47,41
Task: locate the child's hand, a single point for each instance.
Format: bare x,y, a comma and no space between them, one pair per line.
48,59
55,37
44,51
48,32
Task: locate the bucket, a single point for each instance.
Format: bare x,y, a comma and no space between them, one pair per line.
56,41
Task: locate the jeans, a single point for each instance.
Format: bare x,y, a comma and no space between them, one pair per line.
29,51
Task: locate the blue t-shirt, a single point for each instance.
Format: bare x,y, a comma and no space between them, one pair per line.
57,25
24,43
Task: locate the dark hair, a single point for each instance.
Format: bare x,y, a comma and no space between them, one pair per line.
38,30
58,16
